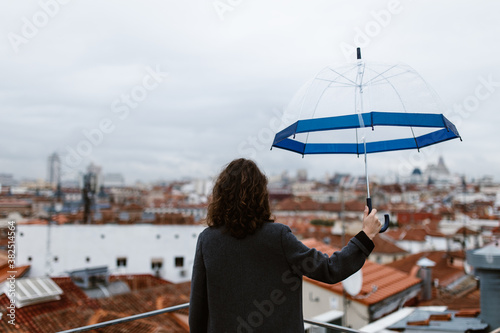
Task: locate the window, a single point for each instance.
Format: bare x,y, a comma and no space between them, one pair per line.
94,280
156,264
121,262
179,261
29,259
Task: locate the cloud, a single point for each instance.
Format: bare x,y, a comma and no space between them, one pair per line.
226,79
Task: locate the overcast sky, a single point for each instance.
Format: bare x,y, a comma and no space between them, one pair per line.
162,89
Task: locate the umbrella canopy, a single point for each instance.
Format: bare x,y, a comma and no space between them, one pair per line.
285,139
364,108
334,108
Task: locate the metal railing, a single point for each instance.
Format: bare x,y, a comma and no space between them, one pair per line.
126,319
335,328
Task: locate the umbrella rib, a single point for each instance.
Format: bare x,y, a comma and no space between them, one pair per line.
379,74
316,106
340,84
388,77
404,108
342,75
314,112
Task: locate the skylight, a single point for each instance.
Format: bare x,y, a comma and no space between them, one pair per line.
30,291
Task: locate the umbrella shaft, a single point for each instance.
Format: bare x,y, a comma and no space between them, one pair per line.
366,175
359,106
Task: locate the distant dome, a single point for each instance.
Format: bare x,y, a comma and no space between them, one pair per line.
417,172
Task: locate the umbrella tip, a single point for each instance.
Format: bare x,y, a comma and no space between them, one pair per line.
359,53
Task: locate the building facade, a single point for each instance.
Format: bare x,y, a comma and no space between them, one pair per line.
54,169
166,251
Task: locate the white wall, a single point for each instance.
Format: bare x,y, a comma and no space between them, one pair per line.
448,227
436,243
317,300
385,258
103,244
411,246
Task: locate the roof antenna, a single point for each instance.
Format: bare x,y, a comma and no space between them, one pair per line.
359,53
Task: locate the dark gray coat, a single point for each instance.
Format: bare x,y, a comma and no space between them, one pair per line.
255,284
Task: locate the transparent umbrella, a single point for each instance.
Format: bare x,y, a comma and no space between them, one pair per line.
364,108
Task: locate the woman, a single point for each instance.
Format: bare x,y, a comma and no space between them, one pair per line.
247,274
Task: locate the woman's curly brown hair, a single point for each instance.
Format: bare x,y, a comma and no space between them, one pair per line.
240,199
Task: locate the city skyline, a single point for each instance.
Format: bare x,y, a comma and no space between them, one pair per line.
171,90
110,179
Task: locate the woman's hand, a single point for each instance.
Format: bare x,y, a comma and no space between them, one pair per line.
371,224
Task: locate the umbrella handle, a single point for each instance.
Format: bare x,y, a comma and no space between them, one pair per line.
387,218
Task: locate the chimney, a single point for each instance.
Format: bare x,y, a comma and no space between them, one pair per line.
426,276
486,264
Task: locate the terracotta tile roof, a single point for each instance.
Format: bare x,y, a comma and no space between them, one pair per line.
62,319
20,271
139,281
292,204
468,301
60,219
3,258
386,247
72,299
412,233
496,230
468,313
410,217
146,299
14,203
467,231
443,271
435,233
382,245
76,309
146,325
132,207
389,281
390,188
355,206
307,204
34,221
394,234
181,319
